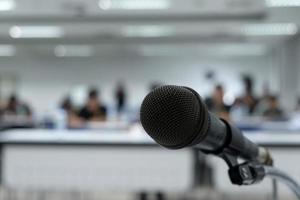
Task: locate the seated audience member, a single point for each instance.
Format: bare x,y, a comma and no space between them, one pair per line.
1,109
73,120
16,108
239,110
121,97
249,99
262,105
273,112
216,104
93,110
298,105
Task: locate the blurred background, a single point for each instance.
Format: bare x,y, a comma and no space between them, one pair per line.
73,74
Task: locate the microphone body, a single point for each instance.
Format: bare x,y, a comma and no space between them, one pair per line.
176,117
223,137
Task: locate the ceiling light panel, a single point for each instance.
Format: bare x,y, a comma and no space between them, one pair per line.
36,32
7,5
134,4
283,3
270,29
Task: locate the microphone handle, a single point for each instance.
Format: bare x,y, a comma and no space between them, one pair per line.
223,137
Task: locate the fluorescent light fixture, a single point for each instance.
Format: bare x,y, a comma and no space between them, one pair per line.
270,29
7,50
204,50
283,3
148,31
73,51
240,50
6,5
134,4
165,50
105,4
36,32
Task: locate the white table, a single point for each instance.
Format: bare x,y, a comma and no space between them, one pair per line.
128,137
91,160
127,160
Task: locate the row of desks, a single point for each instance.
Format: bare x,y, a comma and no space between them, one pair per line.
127,137
117,160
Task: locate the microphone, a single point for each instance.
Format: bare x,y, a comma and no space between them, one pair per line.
176,117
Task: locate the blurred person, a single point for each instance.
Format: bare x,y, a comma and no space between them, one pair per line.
73,120
249,99
67,105
238,110
15,108
298,105
121,97
263,102
273,112
1,108
216,104
261,106
93,110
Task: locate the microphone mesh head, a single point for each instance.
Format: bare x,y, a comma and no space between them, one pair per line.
174,116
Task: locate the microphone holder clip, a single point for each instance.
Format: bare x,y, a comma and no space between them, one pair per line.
252,172
246,173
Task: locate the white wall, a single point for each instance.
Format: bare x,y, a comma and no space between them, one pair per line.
44,81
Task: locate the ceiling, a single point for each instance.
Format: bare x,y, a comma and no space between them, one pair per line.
103,27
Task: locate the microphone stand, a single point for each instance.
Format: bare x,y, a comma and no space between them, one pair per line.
274,189
251,172
285,178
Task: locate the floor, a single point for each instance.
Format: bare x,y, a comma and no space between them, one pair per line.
9,194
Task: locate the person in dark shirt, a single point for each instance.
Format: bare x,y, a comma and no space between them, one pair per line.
273,112
16,114
249,99
298,105
216,104
72,119
16,108
121,97
93,110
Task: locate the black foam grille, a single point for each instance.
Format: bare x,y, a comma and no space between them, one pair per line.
171,115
